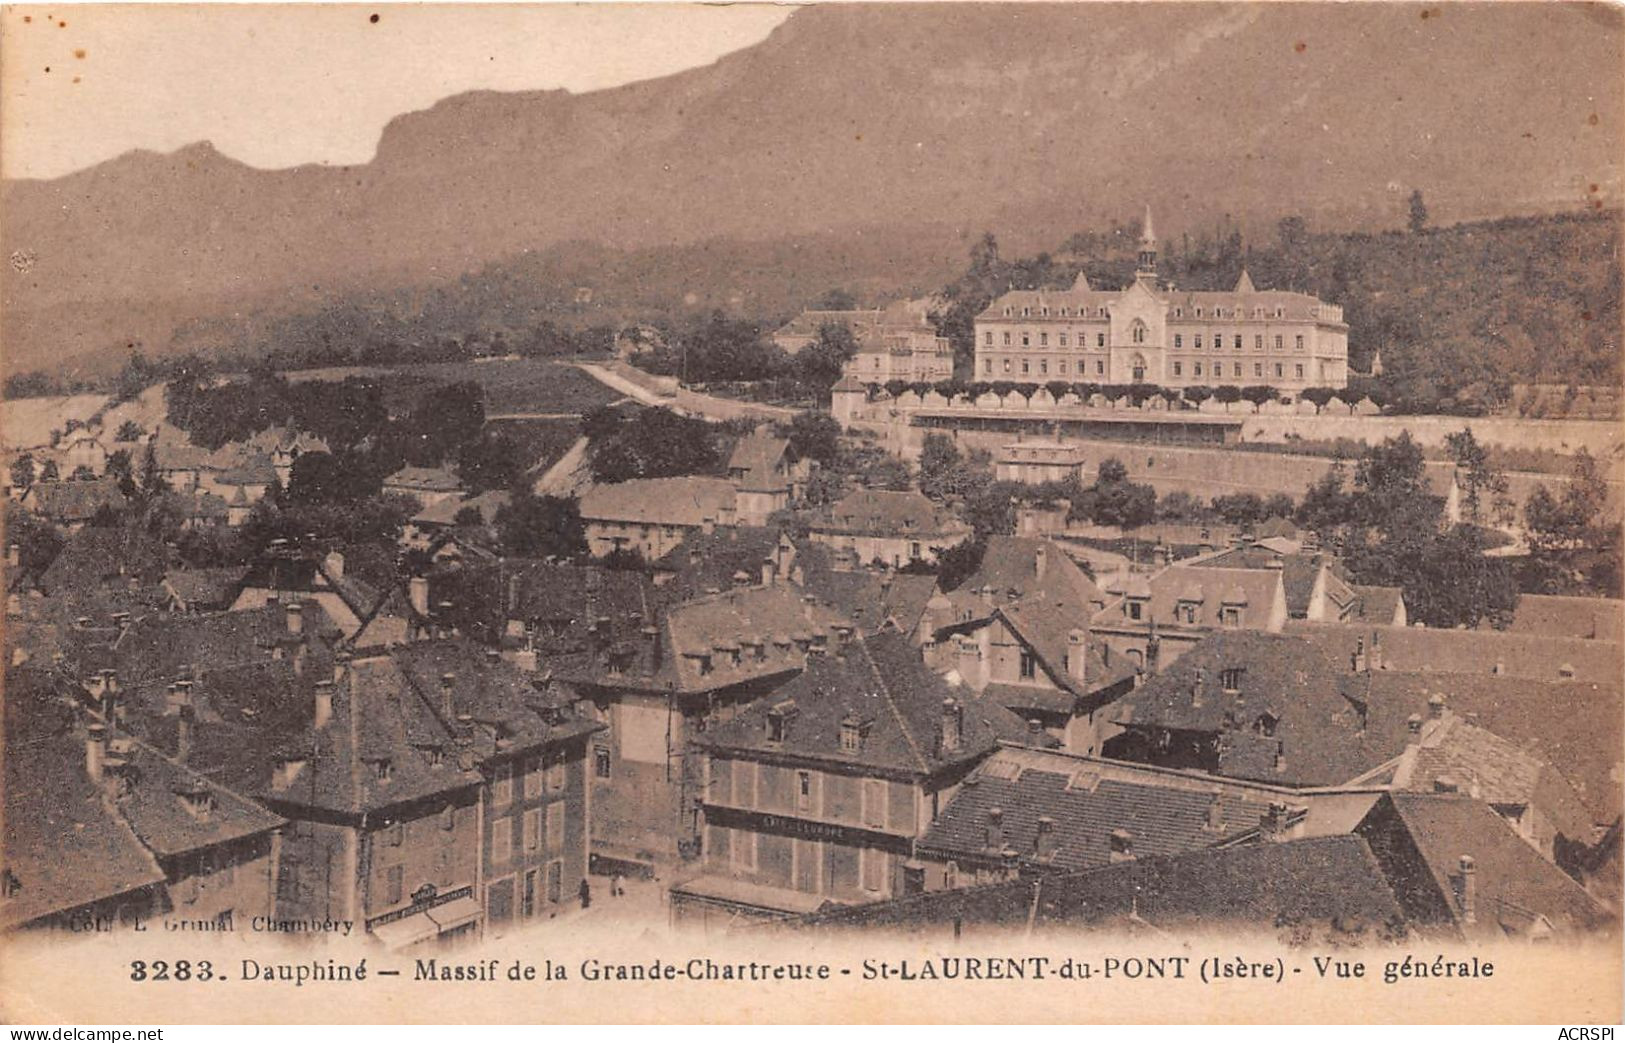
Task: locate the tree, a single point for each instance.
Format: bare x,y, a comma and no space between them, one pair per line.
49,471
129,431
1239,508
322,478
1258,394
654,443
22,471
1418,213
1571,538
1111,472
814,436
541,526
1326,505
120,469
820,363
82,473
1196,394
490,462
1227,394
938,457
1319,396
468,517
836,300
1479,479
38,542
151,479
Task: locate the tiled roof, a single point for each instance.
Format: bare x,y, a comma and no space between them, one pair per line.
808,323
96,556
745,634
1299,306
1287,719
1027,567
249,469
74,502
1514,883
1602,619
883,512
207,588
423,479
1379,605
688,501
1327,880
1573,724
166,646
445,511
1299,572
64,843
1258,592
756,461
730,556
883,687
1450,750
1086,799
1530,656
159,817
871,599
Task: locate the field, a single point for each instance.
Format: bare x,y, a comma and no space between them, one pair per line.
523,387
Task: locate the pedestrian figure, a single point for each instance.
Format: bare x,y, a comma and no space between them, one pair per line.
615,888
586,893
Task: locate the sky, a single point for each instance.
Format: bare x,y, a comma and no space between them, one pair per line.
280,85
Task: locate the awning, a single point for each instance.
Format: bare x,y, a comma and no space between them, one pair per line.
426,924
408,930
455,913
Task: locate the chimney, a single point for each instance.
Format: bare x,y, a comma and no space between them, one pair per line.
324,704
1469,890
122,621
843,637
14,555
1121,843
1044,841
1215,811
1413,723
1436,706
272,598
1039,562
953,725
1280,755
1272,823
183,733
1035,731
295,613
708,525
1077,655
993,835
418,594
1376,652
341,663
769,573
1446,784
334,564
1358,660
651,647
109,694
448,684
95,750
1197,681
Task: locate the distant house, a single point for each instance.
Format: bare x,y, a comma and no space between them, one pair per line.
361,613
1316,587
204,590
73,504
803,329
818,792
1037,460
427,485
1182,603
653,515
1524,654
901,344
764,474
1026,812
1598,619
893,528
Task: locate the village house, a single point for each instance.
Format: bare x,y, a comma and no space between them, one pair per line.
364,615
72,504
1016,631
650,516
151,839
804,328
427,485
1522,654
1028,811
1176,606
892,528
819,792
765,476
1038,460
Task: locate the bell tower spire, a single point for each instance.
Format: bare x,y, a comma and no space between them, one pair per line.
1148,249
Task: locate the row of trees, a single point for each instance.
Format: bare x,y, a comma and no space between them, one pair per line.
1137,394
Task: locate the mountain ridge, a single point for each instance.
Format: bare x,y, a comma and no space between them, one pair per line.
1015,118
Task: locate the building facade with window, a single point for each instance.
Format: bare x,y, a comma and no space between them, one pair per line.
819,792
1151,333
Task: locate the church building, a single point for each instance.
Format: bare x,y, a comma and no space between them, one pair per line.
1151,333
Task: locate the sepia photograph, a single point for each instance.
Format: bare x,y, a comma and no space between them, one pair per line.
856,513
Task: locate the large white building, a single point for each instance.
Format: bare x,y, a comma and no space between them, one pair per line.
1151,333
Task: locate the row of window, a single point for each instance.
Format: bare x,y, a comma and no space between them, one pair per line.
1138,335
531,832
738,784
536,779
1100,312
743,856
1043,367
1258,369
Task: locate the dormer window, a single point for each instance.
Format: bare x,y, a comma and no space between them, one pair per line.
1135,607
381,769
854,730
704,663
1230,678
198,802
1265,725
778,720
